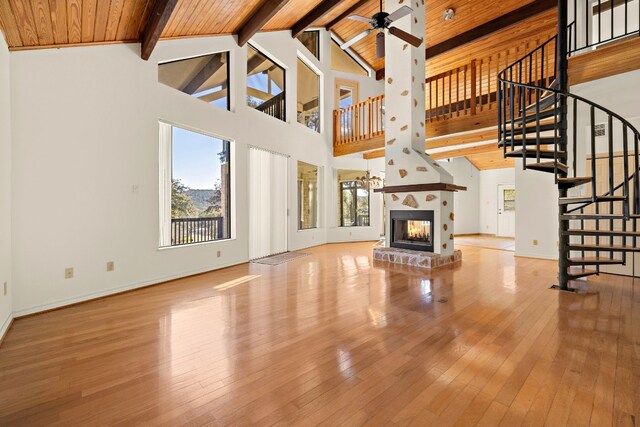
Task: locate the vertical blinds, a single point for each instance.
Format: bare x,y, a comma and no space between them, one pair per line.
267,203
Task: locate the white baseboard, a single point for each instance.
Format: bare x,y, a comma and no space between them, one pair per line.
5,326
129,287
537,256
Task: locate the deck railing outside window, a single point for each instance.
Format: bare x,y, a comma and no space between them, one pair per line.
186,231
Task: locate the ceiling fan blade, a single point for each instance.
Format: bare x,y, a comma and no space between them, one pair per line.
400,13
380,45
409,38
360,18
356,39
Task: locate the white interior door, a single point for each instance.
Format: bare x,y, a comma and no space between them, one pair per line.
268,213
506,210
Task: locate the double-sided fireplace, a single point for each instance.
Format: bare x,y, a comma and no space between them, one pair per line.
412,230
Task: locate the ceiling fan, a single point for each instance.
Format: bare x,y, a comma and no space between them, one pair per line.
381,21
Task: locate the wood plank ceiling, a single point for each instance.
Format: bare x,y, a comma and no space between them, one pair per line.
47,23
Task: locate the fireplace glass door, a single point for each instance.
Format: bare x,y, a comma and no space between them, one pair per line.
412,230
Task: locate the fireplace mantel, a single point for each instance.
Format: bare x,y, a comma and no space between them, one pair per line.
420,187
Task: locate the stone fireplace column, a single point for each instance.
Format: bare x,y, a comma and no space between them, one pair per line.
407,163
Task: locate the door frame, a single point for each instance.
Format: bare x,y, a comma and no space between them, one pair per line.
352,84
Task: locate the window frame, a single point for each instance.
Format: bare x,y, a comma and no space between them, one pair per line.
319,43
228,69
166,179
305,61
284,82
317,195
353,189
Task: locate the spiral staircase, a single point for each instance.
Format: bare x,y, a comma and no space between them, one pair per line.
551,130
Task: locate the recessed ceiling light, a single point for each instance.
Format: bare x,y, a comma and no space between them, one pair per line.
448,14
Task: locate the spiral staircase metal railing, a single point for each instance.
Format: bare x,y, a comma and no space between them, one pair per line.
551,130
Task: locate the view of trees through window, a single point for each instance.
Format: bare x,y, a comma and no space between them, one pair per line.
265,84
354,199
199,187
203,77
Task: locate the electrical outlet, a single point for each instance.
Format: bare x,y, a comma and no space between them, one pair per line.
5,289
218,254
110,266
68,273
535,243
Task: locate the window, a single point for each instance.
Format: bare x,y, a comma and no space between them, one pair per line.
265,85
307,196
311,40
308,97
195,172
342,61
203,77
354,199
509,199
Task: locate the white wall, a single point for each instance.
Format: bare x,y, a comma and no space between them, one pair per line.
85,164
465,202
536,214
5,188
488,197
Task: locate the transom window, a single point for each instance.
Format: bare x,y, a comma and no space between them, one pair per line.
203,77
311,40
265,85
308,97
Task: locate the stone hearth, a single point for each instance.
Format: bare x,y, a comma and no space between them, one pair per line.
420,259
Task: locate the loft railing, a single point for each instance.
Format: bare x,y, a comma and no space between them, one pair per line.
359,122
596,23
464,91
186,231
472,88
275,107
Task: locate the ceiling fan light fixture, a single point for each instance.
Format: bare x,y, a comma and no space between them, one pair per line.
449,14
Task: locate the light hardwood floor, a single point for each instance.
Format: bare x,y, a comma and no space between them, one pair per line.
333,339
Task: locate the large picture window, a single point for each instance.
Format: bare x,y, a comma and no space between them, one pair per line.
196,181
307,196
265,85
308,97
203,77
354,199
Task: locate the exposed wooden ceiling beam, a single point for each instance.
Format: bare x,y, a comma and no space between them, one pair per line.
158,19
323,8
501,22
375,154
208,70
525,12
449,154
262,14
460,152
346,13
465,138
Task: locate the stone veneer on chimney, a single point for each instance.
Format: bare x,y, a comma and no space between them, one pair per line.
407,163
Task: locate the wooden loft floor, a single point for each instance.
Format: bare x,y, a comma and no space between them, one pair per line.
332,339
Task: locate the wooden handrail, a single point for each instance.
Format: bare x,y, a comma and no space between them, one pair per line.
359,122
466,90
